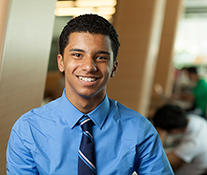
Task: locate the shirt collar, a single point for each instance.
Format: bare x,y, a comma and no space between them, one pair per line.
72,114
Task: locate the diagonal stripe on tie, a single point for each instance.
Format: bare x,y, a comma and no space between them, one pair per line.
86,160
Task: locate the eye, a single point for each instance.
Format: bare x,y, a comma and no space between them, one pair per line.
101,58
77,55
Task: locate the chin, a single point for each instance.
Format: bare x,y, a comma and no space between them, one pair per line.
92,95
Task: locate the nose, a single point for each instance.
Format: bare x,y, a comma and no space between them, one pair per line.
89,64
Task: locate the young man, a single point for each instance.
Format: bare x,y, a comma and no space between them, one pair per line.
48,140
199,92
190,155
198,95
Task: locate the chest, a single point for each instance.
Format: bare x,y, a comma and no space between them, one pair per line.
57,153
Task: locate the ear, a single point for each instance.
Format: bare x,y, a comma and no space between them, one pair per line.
60,63
115,68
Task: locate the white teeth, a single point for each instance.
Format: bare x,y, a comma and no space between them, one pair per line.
87,79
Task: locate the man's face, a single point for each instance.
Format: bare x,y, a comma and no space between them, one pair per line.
88,65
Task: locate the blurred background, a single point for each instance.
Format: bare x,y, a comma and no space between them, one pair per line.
158,39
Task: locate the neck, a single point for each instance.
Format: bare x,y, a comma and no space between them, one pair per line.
196,78
83,104
87,105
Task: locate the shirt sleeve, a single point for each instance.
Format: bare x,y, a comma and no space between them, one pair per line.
19,160
151,158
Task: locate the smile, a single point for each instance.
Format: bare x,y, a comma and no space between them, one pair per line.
87,79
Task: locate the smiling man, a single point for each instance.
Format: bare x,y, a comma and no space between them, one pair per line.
88,65
84,132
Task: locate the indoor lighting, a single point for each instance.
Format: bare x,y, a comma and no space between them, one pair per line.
72,11
104,8
86,3
106,3
64,4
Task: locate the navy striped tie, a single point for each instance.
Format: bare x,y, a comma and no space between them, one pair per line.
86,155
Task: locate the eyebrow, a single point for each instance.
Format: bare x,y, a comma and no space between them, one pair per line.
103,52
80,50
77,50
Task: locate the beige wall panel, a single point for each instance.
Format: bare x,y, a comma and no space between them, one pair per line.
24,63
4,9
164,66
139,25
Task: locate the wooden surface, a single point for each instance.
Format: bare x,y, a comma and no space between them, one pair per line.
164,72
139,25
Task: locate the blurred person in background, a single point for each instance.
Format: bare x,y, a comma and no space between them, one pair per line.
197,96
189,157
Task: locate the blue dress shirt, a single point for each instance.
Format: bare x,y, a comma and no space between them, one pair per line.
46,140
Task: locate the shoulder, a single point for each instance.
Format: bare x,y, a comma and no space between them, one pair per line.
124,111
131,118
47,108
37,116
196,125
202,82
196,120
194,135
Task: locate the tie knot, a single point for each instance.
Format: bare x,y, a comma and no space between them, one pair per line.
86,123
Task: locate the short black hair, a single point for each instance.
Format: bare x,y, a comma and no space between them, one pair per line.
192,70
93,24
170,117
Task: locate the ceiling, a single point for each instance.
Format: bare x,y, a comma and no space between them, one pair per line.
195,6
